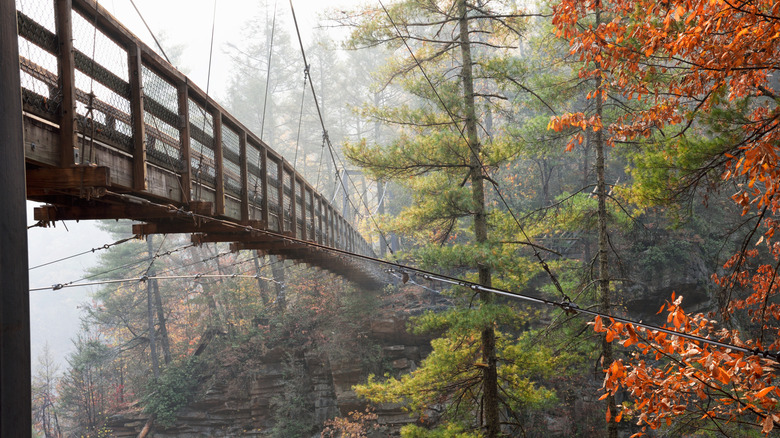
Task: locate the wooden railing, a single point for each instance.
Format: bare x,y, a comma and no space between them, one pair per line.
95,95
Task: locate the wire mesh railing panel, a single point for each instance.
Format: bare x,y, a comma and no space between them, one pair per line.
203,163
288,197
310,218
300,213
102,114
231,154
201,144
161,120
272,169
254,177
41,11
102,88
318,221
38,63
109,56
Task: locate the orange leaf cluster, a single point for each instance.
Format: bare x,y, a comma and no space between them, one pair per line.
686,59
670,375
682,57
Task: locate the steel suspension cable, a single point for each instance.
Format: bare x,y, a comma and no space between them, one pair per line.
268,73
565,305
326,137
93,250
159,46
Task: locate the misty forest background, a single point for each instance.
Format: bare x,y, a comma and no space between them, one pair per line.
470,184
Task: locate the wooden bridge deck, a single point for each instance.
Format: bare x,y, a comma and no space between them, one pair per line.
113,131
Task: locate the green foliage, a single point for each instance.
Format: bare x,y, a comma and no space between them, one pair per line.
292,409
176,387
451,376
449,430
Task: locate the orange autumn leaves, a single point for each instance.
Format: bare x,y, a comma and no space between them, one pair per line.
679,62
682,59
667,373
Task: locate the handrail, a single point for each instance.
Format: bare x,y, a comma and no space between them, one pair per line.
164,139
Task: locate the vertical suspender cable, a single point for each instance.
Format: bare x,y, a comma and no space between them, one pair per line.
268,73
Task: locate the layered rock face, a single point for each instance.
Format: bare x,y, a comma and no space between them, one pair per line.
325,378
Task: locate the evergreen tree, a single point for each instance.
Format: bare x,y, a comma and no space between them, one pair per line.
443,159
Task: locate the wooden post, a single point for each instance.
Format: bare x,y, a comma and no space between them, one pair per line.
325,233
304,204
184,140
137,115
67,82
243,162
318,224
15,400
280,192
264,189
293,205
219,181
329,224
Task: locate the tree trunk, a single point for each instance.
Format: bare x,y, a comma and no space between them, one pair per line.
490,371
150,313
604,298
277,269
164,341
262,285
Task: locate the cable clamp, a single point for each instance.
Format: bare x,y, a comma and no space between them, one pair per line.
197,276
57,286
143,278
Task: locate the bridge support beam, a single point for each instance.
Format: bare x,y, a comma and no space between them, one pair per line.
67,83
15,404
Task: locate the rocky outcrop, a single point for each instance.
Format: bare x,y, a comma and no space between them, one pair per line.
226,409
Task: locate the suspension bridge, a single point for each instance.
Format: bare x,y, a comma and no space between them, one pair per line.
112,131
107,129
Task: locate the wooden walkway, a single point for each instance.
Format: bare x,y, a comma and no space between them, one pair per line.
113,131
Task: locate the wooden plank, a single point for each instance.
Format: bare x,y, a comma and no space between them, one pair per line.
137,112
219,170
293,206
172,227
272,247
244,176
41,142
67,82
49,213
68,178
304,204
318,230
280,194
184,136
246,237
264,189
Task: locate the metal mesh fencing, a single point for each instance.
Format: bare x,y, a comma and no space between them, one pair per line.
309,214
231,154
288,197
161,120
202,144
317,218
300,213
37,56
254,178
272,170
102,87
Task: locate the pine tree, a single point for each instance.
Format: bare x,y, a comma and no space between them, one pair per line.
442,158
